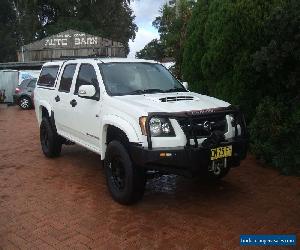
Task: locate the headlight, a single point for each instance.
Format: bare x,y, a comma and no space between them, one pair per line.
155,126
159,127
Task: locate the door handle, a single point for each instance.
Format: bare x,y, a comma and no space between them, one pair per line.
57,99
73,103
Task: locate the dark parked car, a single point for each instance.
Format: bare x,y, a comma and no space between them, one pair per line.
23,93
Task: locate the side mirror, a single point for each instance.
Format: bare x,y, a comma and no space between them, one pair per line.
86,91
186,85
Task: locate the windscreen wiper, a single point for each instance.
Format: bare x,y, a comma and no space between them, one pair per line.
175,90
145,91
136,92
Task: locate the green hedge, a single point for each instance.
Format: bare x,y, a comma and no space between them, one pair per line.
275,135
248,53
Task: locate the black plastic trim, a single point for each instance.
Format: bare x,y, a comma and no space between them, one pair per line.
184,160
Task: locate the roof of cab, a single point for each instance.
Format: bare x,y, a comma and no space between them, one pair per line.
109,60
54,63
100,60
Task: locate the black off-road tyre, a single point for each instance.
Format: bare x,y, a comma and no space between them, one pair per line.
50,141
125,181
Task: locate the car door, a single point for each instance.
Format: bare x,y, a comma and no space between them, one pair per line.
62,107
86,111
31,86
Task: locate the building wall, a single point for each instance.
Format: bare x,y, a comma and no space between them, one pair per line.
8,82
51,54
70,43
10,79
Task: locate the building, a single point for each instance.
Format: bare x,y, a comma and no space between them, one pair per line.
70,44
65,45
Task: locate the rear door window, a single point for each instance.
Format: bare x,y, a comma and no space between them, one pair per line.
48,76
67,77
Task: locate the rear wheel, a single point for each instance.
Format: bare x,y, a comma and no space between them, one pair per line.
25,102
50,141
126,182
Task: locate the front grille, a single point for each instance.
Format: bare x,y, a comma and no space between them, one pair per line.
202,127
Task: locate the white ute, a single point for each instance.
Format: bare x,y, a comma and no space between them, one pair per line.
139,118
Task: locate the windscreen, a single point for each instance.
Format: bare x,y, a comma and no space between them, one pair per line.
138,78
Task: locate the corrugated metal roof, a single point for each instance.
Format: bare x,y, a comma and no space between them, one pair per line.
21,65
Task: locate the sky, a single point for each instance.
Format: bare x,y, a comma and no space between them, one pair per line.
145,12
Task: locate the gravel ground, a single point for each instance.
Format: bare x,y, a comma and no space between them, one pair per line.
63,203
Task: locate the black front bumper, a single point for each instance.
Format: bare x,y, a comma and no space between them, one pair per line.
191,159
184,160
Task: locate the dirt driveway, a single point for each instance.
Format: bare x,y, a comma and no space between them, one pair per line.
64,203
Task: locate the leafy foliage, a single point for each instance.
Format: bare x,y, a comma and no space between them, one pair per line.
275,135
8,38
247,52
27,20
108,18
277,66
172,27
222,36
195,48
152,51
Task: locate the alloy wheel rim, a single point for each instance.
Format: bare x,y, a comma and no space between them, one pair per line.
24,103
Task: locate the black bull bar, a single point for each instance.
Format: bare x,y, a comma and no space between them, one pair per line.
205,114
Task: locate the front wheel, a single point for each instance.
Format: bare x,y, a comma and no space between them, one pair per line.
125,181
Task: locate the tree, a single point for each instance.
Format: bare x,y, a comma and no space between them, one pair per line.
247,53
25,21
195,48
172,27
275,131
154,50
107,18
8,37
222,36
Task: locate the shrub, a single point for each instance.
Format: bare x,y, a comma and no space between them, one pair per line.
275,135
247,52
275,127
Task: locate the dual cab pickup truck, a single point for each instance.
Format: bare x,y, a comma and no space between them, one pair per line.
139,118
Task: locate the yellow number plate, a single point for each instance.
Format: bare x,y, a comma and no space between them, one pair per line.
221,152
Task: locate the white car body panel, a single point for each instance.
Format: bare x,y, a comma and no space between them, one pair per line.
86,123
